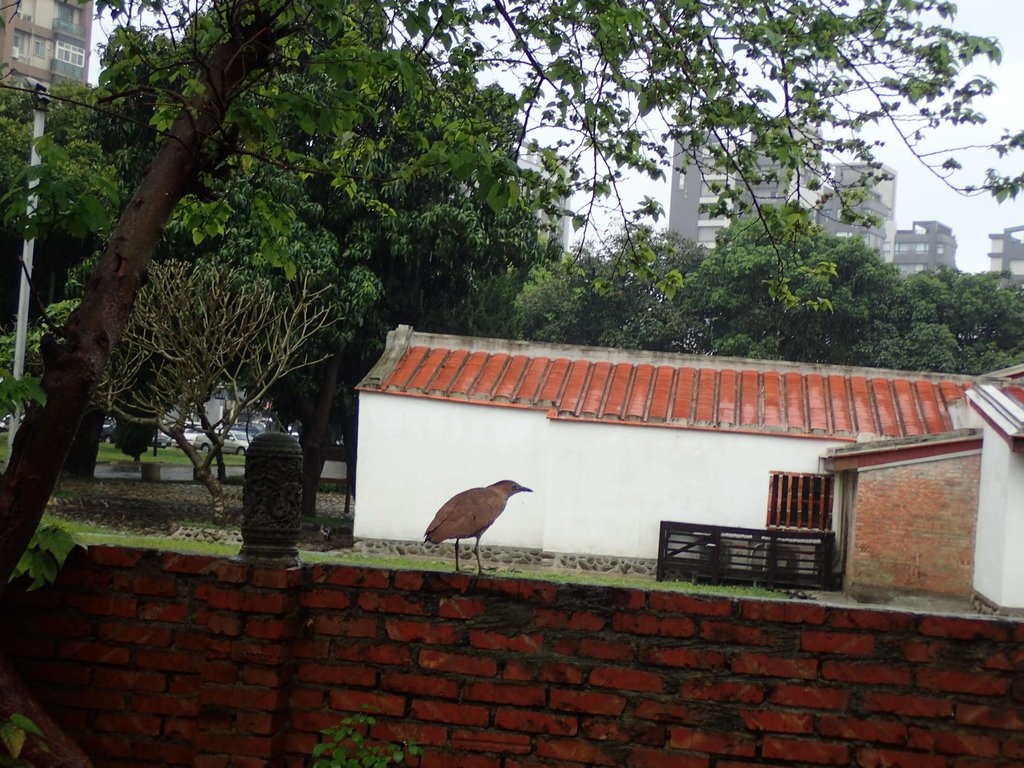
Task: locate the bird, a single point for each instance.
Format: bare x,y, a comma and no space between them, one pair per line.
470,513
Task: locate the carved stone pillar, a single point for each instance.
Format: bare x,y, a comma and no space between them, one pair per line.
272,500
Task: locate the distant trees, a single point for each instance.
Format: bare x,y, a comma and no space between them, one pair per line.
845,306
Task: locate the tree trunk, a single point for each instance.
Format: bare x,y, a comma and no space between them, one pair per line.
74,363
81,460
217,504
316,418
60,751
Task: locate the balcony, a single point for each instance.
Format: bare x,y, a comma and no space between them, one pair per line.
66,28
64,71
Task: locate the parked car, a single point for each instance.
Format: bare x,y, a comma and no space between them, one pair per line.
235,442
107,430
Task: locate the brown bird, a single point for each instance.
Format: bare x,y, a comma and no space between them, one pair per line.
469,514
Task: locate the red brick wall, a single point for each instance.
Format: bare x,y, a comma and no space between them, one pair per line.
166,659
913,528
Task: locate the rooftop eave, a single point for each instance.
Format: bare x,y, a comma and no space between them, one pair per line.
1004,414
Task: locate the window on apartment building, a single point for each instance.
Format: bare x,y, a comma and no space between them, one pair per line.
67,13
20,45
70,54
39,48
800,501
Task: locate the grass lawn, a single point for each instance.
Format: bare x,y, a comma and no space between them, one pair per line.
88,534
109,452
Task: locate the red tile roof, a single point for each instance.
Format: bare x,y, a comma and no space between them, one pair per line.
670,390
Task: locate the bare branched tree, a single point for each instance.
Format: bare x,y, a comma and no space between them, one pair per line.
197,331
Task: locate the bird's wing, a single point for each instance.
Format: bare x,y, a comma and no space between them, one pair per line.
466,514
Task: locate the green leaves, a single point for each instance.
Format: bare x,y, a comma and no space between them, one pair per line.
346,746
46,553
14,733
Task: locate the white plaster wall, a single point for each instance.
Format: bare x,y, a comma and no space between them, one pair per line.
599,488
999,541
415,454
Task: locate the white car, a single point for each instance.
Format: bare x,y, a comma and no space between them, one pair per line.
235,442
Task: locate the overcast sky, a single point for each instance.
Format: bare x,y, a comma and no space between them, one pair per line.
919,195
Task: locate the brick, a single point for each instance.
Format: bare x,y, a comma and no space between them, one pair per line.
731,632
587,702
519,589
872,620
562,673
103,605
100,700
626,731
877,730
691,658
421,632
190,565
95,652
891,758
495,641
650,624
497,693
356,675
326,599
784,613
445,583
922,650
990,717
946,743
104,677
1006,659
626,679
664,711
581,621
266,677
406,731
228,572
128,724
774,666
443,759
963,629
809,697
424,685
276,578
239,697
907,705
227,624
219,672
518,672
149,586
59,625
345,626
574,750
804,751
366,701
262,628
642,757
700,740
449,712
349,576
165,704
778,722
166,612
225,599
256,723
843,643
673,602
116,557
460,607
456,662
712,690
491,741
868,674
534,722
49,671
977,683
375,653
609,650
394,602
170,660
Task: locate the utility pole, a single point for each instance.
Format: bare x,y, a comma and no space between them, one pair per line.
27,254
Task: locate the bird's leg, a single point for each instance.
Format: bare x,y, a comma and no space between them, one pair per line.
476,549
456,555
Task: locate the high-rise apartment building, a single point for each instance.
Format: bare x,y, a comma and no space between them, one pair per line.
693,189
1006,252
927,246
48,40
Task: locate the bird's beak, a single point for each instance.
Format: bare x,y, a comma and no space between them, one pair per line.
524,489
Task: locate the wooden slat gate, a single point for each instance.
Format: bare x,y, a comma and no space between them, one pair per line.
774,558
